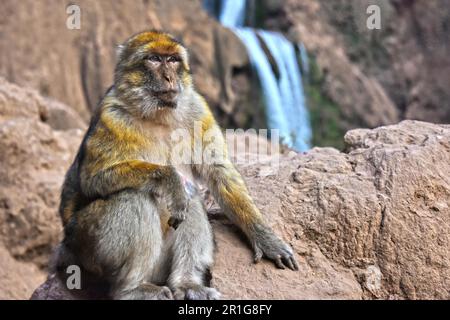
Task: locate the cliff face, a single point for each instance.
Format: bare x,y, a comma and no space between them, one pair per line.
38,140
409,55
371,77
369,223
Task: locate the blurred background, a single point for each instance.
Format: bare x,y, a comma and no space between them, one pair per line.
312,69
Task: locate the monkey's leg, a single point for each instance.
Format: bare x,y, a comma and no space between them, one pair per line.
190,249
120,240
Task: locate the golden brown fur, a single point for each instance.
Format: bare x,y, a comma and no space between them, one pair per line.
127,179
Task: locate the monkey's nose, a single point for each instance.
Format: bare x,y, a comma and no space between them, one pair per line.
168,79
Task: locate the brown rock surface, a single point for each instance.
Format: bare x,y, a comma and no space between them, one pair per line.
34,157
17,279
401,71
382,210
360,96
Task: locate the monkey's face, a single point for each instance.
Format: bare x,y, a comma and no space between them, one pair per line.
152,73
163,73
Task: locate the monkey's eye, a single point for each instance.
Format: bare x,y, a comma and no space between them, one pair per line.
173,59
154,58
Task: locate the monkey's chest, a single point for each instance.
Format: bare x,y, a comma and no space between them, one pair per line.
169,147
173,151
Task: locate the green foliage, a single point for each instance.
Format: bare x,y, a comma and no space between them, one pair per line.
325,114
259,15
363,46
256,13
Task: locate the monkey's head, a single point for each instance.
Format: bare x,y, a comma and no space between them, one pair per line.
152,73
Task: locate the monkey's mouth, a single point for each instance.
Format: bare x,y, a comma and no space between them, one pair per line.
168,98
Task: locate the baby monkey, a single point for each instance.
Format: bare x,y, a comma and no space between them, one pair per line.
125,187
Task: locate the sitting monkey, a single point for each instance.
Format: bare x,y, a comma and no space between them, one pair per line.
123,187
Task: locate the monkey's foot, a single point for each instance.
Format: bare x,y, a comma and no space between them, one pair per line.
267,244
196,292
147,291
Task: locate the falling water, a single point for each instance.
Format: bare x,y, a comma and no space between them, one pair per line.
304,58
232,13
284,97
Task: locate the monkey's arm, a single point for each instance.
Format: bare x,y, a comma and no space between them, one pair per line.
230,191
134,174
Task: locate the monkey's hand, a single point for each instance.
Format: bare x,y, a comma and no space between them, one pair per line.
178,211
179,214
267,244
176,219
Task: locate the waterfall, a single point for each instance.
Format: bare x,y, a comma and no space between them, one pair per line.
304,57
284,97
276,118
233,13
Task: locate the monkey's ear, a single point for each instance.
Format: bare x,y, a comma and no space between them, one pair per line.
185,59
119,51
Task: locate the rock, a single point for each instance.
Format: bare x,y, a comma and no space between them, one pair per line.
52,289
17,279
16,102
361,98
239,278
381,210
377,77
417,57
34,157
59,116
409,165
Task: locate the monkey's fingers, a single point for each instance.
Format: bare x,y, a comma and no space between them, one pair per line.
258,255
290,262
174,222
295,264
279,263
